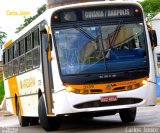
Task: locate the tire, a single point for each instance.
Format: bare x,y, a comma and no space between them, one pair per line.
23,121
33,121
48,123
128,115
88,116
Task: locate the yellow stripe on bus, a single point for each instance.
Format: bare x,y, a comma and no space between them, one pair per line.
106,87
8,44
13,88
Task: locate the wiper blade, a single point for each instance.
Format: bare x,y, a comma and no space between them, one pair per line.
84,32
116,33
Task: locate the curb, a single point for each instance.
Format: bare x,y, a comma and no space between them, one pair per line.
4,113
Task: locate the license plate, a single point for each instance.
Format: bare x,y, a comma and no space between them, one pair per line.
109,99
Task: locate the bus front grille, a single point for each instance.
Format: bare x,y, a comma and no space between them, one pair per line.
98,103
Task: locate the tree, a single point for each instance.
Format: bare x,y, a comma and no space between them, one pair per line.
151,8
28,20
3,35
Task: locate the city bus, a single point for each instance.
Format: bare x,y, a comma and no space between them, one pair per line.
85,59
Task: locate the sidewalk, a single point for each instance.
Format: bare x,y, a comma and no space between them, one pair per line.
4,113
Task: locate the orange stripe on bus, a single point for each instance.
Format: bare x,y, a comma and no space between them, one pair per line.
13,88
8,44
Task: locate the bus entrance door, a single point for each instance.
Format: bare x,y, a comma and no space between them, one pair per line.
47,71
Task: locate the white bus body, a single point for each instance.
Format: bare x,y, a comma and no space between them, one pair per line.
62,98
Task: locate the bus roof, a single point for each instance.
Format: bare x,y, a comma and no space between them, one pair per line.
48,13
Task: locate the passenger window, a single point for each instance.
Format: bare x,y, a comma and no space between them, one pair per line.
22,47
10,53
15,67
5,69
22,64
16,50
29,61
10,69
4,57
28,43
36,57
36,38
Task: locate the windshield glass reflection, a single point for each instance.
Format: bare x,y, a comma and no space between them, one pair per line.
95,49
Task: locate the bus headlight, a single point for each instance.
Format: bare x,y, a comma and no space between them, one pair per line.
144,82
69,89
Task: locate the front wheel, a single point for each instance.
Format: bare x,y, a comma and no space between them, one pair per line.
48,123
128,115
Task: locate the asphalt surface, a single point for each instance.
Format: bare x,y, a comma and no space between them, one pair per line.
147,121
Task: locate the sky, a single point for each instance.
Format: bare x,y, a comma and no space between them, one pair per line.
12,13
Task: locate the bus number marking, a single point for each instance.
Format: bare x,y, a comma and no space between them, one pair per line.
88,86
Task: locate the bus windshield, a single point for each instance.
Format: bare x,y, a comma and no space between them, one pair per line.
101,48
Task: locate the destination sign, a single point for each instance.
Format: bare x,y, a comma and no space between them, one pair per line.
108,13
105,13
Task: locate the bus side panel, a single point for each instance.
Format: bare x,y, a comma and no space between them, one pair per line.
151,93
27,106
29,84
10,99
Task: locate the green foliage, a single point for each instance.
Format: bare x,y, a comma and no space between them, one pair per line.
3,35
1,91
151,8
28,20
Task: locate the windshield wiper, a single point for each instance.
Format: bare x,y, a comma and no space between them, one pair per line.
116,34
85,32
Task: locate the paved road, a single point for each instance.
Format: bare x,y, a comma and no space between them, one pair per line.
147,120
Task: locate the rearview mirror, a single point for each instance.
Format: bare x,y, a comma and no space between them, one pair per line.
153,38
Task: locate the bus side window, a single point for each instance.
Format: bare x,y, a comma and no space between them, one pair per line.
22,47
22,64
5,61
29,54
10,64
36,57
16,50
28,43
36,38
4,58
22,57
36,50
15,66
